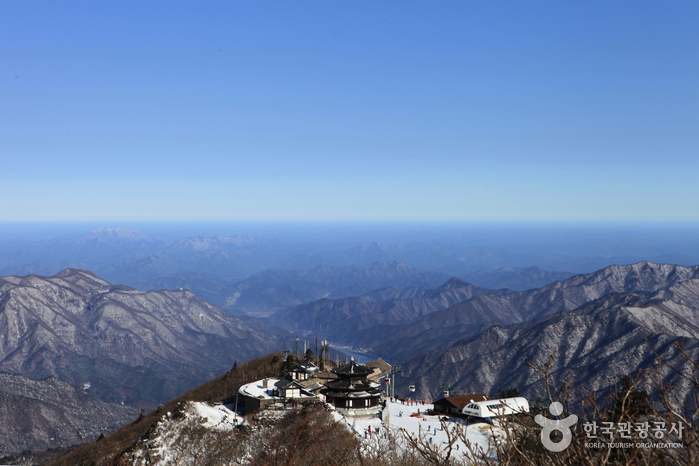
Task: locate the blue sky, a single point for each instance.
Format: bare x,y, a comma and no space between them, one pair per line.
543,111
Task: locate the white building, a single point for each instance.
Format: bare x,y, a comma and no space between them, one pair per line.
495,408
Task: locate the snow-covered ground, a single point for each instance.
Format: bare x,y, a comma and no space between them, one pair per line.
173,435
427,428
219,417
176,436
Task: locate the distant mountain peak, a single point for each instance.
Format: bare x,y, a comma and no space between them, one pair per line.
455,282
390,265
373,247
107,236
117,233
507,268
82,279
69,272
644,271
645,266
510,269
203,243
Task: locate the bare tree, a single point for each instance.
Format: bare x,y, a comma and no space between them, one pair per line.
307,437
611,430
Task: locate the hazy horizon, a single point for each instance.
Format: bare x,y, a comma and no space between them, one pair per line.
387,231
456,248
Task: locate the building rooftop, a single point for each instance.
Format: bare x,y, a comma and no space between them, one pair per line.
380,364
462,400
326,375
304,366
257,390
346,385
353,370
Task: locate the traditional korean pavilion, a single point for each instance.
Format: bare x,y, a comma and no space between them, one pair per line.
352,394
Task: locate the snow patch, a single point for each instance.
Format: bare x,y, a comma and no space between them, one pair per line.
256,389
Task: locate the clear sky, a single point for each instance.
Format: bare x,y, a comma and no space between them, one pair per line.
487,110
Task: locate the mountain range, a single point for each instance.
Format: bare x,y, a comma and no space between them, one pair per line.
441,329
601,325
594,345
516,278
129,256
594,328
352,321
133,258
273,290
89,345
139,348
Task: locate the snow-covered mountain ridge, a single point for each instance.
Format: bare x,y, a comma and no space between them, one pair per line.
140,348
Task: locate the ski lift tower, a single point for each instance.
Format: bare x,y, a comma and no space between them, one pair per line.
394,369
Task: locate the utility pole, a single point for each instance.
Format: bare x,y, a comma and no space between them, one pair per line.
235,415
297,347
